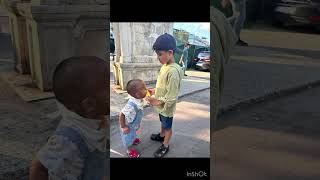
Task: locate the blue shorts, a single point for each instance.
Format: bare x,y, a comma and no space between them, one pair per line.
166,122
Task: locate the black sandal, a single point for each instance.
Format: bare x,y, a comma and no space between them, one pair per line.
163,150
157,137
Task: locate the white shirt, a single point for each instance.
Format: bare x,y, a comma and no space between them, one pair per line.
128,109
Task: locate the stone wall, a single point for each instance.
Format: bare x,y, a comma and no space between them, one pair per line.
135,57
45,32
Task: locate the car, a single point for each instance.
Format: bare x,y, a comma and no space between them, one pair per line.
194,56
296,12
203,61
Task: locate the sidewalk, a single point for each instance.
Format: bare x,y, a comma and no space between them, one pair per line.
191,130
191,122
24,129
258,72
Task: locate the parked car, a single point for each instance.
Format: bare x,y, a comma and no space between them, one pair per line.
297,12
194,56
203,61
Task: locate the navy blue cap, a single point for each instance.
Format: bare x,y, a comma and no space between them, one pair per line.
165,42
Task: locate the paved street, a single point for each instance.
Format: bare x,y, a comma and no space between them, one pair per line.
276,140
191,128
283,38
274,61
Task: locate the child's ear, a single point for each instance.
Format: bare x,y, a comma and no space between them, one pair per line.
89,106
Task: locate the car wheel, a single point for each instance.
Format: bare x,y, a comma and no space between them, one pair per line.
277,23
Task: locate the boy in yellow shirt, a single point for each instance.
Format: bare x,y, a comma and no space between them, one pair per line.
166,91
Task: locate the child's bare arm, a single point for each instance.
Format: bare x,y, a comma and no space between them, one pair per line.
155,102
122,121
38,171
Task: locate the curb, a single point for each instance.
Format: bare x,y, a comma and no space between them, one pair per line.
115,117
206,78
267,97
27,94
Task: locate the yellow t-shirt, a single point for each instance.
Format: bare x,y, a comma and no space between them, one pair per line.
167,88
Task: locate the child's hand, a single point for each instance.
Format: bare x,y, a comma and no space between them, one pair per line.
125,130
138,131
152,91
154,102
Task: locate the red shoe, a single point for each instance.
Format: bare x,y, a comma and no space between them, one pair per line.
136,141
133,153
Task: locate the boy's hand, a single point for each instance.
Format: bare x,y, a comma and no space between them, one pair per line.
125,130
152,91
154,101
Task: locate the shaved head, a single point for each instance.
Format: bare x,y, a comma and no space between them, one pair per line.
78,78
135,86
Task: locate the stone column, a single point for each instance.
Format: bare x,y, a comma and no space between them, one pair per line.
17,26
57,30
116,35
135,57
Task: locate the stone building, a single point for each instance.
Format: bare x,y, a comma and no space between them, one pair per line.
134,55
44,32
